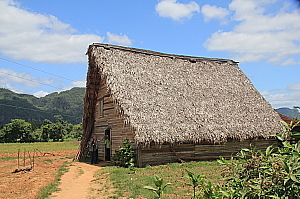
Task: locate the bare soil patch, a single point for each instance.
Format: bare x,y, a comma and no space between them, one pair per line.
27,184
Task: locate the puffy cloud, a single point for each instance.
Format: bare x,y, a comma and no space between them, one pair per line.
213,12
119,39
40,38
274,37
176,11
288,97
41,94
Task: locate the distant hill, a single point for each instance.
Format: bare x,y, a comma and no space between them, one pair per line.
291,113
68,103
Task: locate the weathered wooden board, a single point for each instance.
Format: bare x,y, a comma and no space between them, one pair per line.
187,152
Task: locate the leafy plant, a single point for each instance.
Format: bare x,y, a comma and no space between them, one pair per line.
288,134
195,180
125,156
207,190
274,173
158,181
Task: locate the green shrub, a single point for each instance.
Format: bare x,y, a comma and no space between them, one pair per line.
125,156
274,173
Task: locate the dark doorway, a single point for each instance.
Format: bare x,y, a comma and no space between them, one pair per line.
107,144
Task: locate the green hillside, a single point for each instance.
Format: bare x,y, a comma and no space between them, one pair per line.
68,103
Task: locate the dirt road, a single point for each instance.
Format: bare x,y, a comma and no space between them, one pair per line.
80,182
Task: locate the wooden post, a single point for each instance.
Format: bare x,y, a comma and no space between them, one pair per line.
139,156
33,159
178,158
24,158
30,159
18,158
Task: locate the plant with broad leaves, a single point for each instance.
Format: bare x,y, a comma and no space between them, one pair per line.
207,191
159,189
288,134
125,156
195,180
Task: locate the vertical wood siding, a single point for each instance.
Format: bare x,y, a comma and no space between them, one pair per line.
109,119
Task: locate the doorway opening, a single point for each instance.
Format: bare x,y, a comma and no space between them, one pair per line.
107,143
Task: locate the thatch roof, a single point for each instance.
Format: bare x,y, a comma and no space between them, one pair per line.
181,99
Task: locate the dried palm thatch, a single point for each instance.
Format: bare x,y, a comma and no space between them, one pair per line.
178,99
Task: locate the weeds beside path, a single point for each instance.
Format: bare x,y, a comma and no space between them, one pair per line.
79,182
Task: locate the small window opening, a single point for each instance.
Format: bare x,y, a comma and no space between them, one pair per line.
101,108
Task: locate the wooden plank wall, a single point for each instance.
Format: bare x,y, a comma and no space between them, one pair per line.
164,154
110,119
155,155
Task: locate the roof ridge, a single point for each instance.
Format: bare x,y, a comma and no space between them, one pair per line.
150,52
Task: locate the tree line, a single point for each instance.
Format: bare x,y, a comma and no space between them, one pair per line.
19,130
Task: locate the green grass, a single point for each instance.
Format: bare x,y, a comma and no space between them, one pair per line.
42,146
52,187
9,158
48,160
130,185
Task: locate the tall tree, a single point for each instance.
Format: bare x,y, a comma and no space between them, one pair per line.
16,131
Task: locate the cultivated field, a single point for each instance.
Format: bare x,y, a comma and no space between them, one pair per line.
46,159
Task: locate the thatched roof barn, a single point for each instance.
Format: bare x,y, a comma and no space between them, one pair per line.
158,99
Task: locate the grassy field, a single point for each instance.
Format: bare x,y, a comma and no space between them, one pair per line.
42,146
130,184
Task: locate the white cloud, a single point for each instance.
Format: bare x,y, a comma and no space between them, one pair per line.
294,86
284,100
79,83
40,94
213,12
176,11
40,38
290,61
274,37
119,39
288,97
12,78
25,83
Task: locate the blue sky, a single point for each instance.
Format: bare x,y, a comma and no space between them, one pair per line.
43,43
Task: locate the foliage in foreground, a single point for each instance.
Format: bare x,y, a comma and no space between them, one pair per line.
274,173
269,174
